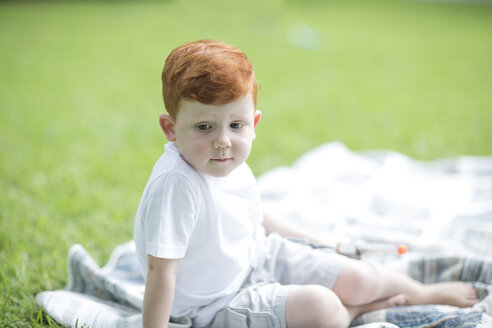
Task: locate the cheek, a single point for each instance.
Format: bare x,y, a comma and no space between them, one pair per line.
199,147
189,144
243,146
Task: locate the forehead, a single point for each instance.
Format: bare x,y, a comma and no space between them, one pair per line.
242,107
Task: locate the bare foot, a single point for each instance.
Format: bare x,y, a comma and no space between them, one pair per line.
400,299
451,293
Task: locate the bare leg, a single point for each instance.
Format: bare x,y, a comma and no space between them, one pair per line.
355,311
317,306
361,283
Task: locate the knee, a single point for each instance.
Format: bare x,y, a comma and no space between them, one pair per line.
358,284
315,306
366,278
368,281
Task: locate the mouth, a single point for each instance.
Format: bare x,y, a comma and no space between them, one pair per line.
221,160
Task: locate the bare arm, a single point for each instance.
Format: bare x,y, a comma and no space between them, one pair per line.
287,229
159,291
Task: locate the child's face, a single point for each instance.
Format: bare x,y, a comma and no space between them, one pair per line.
215,139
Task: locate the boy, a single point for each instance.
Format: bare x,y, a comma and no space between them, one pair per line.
203,243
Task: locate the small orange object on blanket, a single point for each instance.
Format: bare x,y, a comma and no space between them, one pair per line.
402,249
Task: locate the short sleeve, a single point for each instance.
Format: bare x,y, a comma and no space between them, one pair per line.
169,216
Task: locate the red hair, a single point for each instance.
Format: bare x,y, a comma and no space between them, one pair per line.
207,71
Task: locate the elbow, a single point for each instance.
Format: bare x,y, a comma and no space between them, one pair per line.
150,266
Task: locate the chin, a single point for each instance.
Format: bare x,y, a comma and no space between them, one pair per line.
219,174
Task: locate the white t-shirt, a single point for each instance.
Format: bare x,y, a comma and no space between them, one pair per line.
211,224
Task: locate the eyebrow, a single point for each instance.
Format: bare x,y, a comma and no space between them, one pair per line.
208,118
239,117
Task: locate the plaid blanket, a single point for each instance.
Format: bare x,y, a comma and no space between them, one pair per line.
108,297
477,272
442,209
112,296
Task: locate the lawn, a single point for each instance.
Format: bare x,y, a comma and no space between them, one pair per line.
80,98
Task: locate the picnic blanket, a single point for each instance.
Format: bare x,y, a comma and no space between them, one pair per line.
441,209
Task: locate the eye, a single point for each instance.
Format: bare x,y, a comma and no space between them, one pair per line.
236,125
203,127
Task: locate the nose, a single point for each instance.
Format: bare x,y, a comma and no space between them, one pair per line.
222,140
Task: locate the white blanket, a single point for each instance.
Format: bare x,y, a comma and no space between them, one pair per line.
441,207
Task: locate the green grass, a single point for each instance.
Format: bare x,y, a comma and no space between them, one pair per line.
80,97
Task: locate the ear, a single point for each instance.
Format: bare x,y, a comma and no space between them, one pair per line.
257,117
167,126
